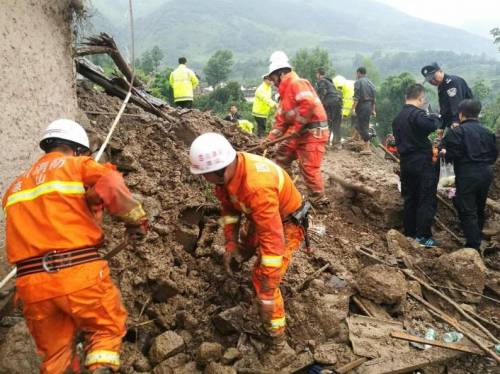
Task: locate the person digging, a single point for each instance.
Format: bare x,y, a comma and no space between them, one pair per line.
258,189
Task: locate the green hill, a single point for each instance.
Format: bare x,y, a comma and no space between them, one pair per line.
253,29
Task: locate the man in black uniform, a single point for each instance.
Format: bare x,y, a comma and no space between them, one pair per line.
331,98
363,106
473,150
451,90
419,176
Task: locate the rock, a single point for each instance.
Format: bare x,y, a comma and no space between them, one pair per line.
171,364
326,354
231,355
208,352
229,320
17,351
216,368
187,236
164,346
398,244
382,284
142,365
189,368
164,290
317,316
462,269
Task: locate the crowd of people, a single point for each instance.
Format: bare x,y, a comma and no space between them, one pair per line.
53,210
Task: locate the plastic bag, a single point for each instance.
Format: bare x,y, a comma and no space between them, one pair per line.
446,174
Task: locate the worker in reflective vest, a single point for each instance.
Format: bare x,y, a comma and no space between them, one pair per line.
52,237
300,111
255,187
183,81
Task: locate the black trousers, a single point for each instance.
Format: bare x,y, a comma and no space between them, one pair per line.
363,113
419,178
261,126
473,183
184,104
334,113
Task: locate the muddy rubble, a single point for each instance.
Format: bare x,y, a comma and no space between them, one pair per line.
187,316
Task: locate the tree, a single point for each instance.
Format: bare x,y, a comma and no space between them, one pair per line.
218,67
480,90
147,64
390,100
156,57
491,115
371,70
305,62
496,36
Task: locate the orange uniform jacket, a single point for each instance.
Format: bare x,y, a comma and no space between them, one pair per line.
265,193
46,209
299,104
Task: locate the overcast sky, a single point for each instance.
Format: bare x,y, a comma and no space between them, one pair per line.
478,16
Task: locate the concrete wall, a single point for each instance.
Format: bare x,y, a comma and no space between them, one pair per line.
37,80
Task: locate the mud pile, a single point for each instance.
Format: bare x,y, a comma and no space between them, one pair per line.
186,315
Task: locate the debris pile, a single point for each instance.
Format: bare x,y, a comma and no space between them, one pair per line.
345,302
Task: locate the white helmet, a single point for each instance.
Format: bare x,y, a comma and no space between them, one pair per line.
64,129
210,152
278,60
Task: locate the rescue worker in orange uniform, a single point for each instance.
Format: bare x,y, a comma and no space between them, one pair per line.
52,237
300,111
255,187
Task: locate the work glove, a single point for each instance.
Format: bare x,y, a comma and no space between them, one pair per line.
137,231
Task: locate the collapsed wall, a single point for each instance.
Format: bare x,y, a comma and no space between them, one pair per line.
37,80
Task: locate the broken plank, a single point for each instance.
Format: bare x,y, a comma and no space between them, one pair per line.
351,365
372,309
452,346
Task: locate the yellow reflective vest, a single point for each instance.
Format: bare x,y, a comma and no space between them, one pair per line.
347,89
263,102
183,80
245,125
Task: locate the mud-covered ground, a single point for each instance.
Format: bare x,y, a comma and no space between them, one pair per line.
174,280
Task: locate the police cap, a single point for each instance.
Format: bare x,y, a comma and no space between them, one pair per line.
428,71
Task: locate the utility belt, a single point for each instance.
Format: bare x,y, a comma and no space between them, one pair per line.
315,128
54,261
315,125
301,218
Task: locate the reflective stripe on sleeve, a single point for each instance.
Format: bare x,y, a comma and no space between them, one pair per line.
272,261
278,323
301,95
267,302
66,188
102,356
229,220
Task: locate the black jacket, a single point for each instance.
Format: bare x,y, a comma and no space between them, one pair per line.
364,90
451,92
233,118
411,128
327,92
470,144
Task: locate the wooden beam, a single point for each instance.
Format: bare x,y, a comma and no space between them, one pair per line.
435,343
455,324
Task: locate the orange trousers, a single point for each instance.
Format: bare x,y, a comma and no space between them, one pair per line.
97,311
266,280
308,150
